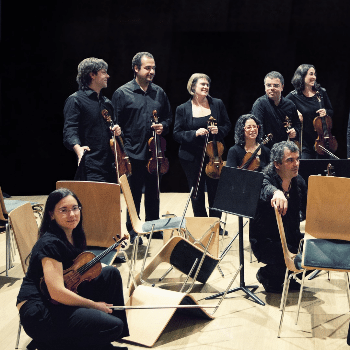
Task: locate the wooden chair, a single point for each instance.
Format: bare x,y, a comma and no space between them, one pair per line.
25,230
146,227
327,228
101,212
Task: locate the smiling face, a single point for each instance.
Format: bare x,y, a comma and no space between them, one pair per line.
66,214
250,129
201,88
310,78
289,167
99,80
273,88
147,71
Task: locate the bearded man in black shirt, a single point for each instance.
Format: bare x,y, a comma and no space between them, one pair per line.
134,103
85,129
272,110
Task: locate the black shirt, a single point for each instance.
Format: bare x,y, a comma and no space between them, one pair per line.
84,125
134,114
273,117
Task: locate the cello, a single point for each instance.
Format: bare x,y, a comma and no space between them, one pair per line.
323,126
250,161
214,150
157,163
122,162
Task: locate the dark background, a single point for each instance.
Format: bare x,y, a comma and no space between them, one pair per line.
235,42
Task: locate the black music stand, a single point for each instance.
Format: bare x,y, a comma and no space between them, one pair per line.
238,193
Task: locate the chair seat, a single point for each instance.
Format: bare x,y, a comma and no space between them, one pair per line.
327,254
164,224
12,204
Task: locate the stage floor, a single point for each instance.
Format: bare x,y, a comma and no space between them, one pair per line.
239,322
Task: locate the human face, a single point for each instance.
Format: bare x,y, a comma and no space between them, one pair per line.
290,165
147,71
202,87
99,80
66,214
250,129
310,78
273,88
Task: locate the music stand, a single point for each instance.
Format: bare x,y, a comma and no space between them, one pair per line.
238,193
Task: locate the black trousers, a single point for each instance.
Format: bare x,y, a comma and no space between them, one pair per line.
142,178
191,170
68,327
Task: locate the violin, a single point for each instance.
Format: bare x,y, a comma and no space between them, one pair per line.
157,163
323,126
122,162
86,266
250,160
214,150
288,125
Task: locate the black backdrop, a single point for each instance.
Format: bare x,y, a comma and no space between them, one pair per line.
235,42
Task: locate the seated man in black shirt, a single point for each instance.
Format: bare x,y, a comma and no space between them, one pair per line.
283,187
272,110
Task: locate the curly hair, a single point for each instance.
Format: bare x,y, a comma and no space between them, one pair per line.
193,81
87,66
298,80
277,154
239,129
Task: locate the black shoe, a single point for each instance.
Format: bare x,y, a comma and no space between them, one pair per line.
119,260
133,237
157,235
221,232
269,288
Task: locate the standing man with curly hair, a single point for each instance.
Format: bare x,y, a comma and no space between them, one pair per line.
85,129
134,103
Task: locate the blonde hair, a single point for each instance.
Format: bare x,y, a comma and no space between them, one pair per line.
193,81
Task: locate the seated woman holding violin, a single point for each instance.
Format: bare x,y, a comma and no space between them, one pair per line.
249,151
68,320
194,130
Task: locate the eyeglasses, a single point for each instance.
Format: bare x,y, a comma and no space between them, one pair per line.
65,211
273,85
251,127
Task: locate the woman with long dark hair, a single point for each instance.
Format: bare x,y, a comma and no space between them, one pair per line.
79,321
248,137
305,99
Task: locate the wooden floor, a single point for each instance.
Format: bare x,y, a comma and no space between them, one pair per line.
239,322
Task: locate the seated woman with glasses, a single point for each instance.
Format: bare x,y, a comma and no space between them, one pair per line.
76,321
248,138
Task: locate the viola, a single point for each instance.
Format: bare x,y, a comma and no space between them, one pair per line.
250,161
158,164
323,126
86,266
288,125
122,162
214,150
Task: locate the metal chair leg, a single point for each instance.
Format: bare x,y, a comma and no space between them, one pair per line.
284,283
300,295
284,297
347,286
18,334
166,273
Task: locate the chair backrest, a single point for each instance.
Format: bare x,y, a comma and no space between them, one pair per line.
328,207
129,200
288,256
101,210
25,229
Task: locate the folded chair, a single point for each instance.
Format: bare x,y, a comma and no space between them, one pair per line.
327,228
25,230
101,211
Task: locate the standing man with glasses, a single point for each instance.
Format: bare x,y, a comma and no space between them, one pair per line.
134,103
272,110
